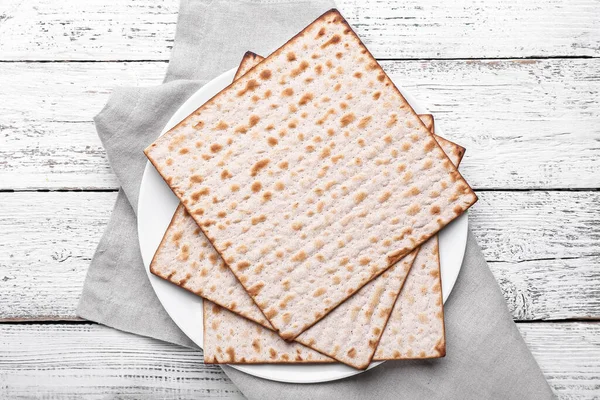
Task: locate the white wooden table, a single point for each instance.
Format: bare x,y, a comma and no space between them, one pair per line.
517,83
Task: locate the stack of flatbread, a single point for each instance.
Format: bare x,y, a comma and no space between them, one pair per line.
311,196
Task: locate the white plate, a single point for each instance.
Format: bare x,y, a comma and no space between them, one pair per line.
156,207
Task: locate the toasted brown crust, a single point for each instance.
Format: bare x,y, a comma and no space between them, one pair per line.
441,345
249,60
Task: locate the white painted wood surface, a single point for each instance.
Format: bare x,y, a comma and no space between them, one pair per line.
526,123
144,29
74,361
531,126
539,244
88,360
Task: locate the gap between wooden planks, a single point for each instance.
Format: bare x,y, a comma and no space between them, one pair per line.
144,29
542,248
62,360
525,123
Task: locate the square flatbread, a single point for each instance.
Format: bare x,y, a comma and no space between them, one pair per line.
350,333
414,330
309,170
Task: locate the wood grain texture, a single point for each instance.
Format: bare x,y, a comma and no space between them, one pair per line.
47,136
540,246
144,30
73,361
526,124
92,361
560,348
534,123
47,241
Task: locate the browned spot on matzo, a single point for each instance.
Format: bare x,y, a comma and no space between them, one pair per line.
347,119
202,192
359,197
251,85
301,68
335,39
305,98
266,74
364,121
256,186
258,166
300,256
196,179
259,219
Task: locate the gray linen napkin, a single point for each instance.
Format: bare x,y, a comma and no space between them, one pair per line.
486,356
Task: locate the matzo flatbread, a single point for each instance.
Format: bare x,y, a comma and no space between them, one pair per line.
454,151
416,327
230,339
311,168
349,333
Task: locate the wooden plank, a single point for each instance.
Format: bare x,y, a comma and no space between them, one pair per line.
92,361
47,136
568,354
74,361
514,227
96,30
144,29
550,289
540,246
47,241
526,124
